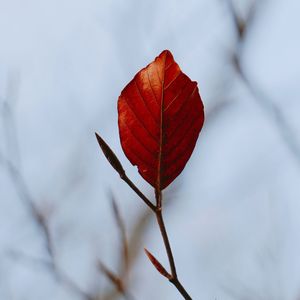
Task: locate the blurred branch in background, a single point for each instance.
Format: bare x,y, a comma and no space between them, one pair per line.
10,162
269,107
119,279
269,255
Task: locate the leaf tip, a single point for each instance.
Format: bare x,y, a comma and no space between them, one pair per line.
166,53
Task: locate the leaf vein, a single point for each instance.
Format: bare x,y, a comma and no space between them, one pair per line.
139,120
179,123
142,144
145,103
178,94
151,86
173,80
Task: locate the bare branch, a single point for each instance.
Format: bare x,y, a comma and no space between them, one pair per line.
160,221
23,190
156,209
121,227
118,280
269,107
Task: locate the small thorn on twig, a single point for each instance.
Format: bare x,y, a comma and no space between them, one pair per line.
158,265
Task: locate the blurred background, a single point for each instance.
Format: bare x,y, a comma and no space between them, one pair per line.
232,215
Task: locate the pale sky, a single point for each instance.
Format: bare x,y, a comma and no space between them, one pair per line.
233,214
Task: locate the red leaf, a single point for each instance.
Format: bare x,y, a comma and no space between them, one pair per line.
160,117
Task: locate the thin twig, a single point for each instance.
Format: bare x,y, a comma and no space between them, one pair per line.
163,231
156,209
139,193
117,281
160,221
116,164
114,278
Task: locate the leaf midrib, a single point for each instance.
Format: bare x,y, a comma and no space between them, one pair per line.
159,167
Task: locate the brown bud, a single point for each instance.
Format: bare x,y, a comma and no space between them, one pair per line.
110,155
158,265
